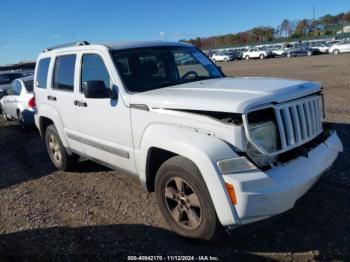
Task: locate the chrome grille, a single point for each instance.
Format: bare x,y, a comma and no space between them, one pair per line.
299,121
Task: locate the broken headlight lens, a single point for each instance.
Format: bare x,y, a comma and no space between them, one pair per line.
264,135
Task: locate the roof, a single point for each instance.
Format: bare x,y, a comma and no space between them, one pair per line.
136,44
116,46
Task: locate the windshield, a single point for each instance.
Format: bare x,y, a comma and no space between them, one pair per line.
145,69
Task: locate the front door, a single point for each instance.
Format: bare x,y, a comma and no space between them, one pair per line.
105,127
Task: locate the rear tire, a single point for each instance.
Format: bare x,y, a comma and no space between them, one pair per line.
57,152
336,52
214,60
247,57
21,121
262,56
289,55
225,60
184,200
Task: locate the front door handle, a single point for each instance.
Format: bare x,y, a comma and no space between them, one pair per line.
80,103
52,98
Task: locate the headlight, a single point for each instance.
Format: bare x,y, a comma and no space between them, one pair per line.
235,165
264,135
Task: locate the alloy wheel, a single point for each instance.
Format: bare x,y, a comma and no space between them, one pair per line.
55,149
183,203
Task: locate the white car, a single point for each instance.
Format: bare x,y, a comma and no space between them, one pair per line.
222,57
19,103
5,81
341,47
256,53
278,51
321,48
215,149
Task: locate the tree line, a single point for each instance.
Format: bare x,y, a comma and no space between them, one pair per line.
325,25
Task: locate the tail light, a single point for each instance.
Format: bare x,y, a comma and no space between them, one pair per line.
31,102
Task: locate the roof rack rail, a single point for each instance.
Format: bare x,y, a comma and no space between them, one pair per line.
80,43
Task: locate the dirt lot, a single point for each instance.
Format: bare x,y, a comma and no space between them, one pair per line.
97,214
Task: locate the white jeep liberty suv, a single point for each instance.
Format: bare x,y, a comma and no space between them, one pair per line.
213,148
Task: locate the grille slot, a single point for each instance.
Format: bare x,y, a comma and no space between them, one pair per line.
299,121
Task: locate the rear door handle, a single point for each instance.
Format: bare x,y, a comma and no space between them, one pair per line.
52,98
80,103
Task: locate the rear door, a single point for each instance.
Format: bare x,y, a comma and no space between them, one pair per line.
6,100
64,85
13,97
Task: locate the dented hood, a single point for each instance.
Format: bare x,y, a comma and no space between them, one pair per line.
235,95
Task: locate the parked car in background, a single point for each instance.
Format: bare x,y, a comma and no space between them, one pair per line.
223,57
278,51
5,81
341,47
239,52
256,53
332,42
19,102
298,50
319,47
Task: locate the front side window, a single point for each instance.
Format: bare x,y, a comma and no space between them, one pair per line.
149,68
43,68
64,72
94,69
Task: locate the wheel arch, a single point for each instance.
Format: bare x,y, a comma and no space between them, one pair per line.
49,115
203,150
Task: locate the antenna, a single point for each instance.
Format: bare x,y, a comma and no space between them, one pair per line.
73,37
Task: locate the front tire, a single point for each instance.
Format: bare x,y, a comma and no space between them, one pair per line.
289,55
184,200
57,152
262,56
336,52
247,57
214,60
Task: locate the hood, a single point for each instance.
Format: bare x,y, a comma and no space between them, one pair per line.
231,95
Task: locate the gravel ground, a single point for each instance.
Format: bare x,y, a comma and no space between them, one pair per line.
96,214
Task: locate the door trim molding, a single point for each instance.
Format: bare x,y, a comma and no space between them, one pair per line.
109,149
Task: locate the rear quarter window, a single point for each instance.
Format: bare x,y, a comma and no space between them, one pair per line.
41,76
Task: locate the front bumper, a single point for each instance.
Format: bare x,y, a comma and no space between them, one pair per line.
261,195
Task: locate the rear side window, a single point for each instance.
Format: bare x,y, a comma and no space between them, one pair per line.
64,73
43,68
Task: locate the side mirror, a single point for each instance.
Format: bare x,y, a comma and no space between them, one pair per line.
96,89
